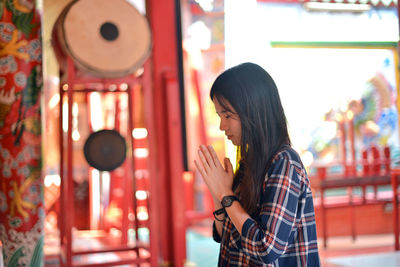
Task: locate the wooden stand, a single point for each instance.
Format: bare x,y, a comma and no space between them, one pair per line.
71,84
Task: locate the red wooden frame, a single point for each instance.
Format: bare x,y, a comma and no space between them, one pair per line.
67,186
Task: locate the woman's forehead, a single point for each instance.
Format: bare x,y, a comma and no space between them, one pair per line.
222,105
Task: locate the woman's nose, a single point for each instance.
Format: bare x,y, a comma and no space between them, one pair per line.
222,125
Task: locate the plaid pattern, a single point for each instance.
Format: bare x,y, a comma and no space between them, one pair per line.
284,233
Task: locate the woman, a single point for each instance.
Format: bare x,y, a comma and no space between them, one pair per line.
264,212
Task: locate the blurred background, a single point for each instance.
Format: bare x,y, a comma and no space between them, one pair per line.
103,105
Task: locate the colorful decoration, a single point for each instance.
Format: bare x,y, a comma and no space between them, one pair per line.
21,187
375,114
374,122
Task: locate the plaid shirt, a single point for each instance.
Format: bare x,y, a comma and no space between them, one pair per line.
284,232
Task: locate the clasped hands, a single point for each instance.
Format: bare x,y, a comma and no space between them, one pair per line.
218,178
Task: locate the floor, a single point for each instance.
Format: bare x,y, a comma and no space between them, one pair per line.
202,251
365,251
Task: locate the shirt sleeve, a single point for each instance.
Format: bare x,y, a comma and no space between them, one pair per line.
216,236
267,238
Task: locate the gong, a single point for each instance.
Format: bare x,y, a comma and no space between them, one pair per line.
105,150
105,38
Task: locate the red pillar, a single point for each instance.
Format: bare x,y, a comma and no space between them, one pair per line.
21,187
166,133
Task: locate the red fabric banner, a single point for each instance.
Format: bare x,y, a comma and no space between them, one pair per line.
21,187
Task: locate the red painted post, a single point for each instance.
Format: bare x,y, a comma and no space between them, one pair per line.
60,220
154,167
22,211
394,176
376,165
176,169
386,160
69,220
376,161
365,171
133,176
365,162
167,127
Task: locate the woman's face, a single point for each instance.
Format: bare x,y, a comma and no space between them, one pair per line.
230,121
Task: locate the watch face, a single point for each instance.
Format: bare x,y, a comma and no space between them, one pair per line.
228,200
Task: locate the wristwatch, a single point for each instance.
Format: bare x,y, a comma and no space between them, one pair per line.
228,200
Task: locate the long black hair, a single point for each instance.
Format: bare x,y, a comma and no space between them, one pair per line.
252,92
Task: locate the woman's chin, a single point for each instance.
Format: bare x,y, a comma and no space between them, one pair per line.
234,143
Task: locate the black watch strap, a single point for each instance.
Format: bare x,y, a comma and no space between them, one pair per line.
219,212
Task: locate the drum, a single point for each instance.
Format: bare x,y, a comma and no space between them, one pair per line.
105,150
104,38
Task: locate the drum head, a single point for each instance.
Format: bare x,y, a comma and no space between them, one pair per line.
105,150
105,38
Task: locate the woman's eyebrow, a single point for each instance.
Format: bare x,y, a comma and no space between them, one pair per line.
222,112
